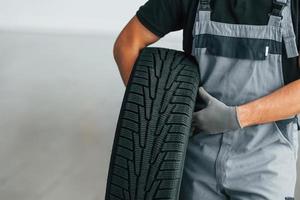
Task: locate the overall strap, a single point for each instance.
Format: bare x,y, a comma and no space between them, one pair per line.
202,14
275,17
281,17
288,32
204,10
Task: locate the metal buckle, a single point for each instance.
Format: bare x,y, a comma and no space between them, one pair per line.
277,8
205,4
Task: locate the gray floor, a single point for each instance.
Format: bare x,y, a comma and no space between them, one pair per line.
60,99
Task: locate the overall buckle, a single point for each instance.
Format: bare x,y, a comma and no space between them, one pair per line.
277,8
205,5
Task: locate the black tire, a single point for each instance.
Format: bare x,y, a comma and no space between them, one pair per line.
154,126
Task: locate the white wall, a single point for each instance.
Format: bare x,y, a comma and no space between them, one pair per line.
67,15
75,17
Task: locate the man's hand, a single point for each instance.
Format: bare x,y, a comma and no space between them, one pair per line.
216,117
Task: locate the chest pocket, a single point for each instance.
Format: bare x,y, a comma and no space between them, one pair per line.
241,48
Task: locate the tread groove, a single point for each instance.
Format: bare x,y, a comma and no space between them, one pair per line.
153,127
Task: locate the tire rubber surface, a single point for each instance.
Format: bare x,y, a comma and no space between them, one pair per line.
154,126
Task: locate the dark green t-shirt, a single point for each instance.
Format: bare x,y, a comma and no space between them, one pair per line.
164,16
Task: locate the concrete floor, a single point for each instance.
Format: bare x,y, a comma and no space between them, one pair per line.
60,99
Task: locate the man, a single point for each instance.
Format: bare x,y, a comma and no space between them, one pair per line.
245,142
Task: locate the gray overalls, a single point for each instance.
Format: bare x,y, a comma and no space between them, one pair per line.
240,63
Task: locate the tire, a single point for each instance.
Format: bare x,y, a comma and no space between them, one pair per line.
153,127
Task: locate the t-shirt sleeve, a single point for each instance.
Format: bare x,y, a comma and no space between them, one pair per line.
161,16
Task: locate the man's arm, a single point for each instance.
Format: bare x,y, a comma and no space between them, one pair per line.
128,44
280,104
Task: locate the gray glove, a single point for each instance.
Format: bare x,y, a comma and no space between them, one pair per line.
216,117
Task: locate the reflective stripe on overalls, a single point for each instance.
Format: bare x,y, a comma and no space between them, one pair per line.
240,63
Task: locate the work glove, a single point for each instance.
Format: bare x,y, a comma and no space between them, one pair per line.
216,117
